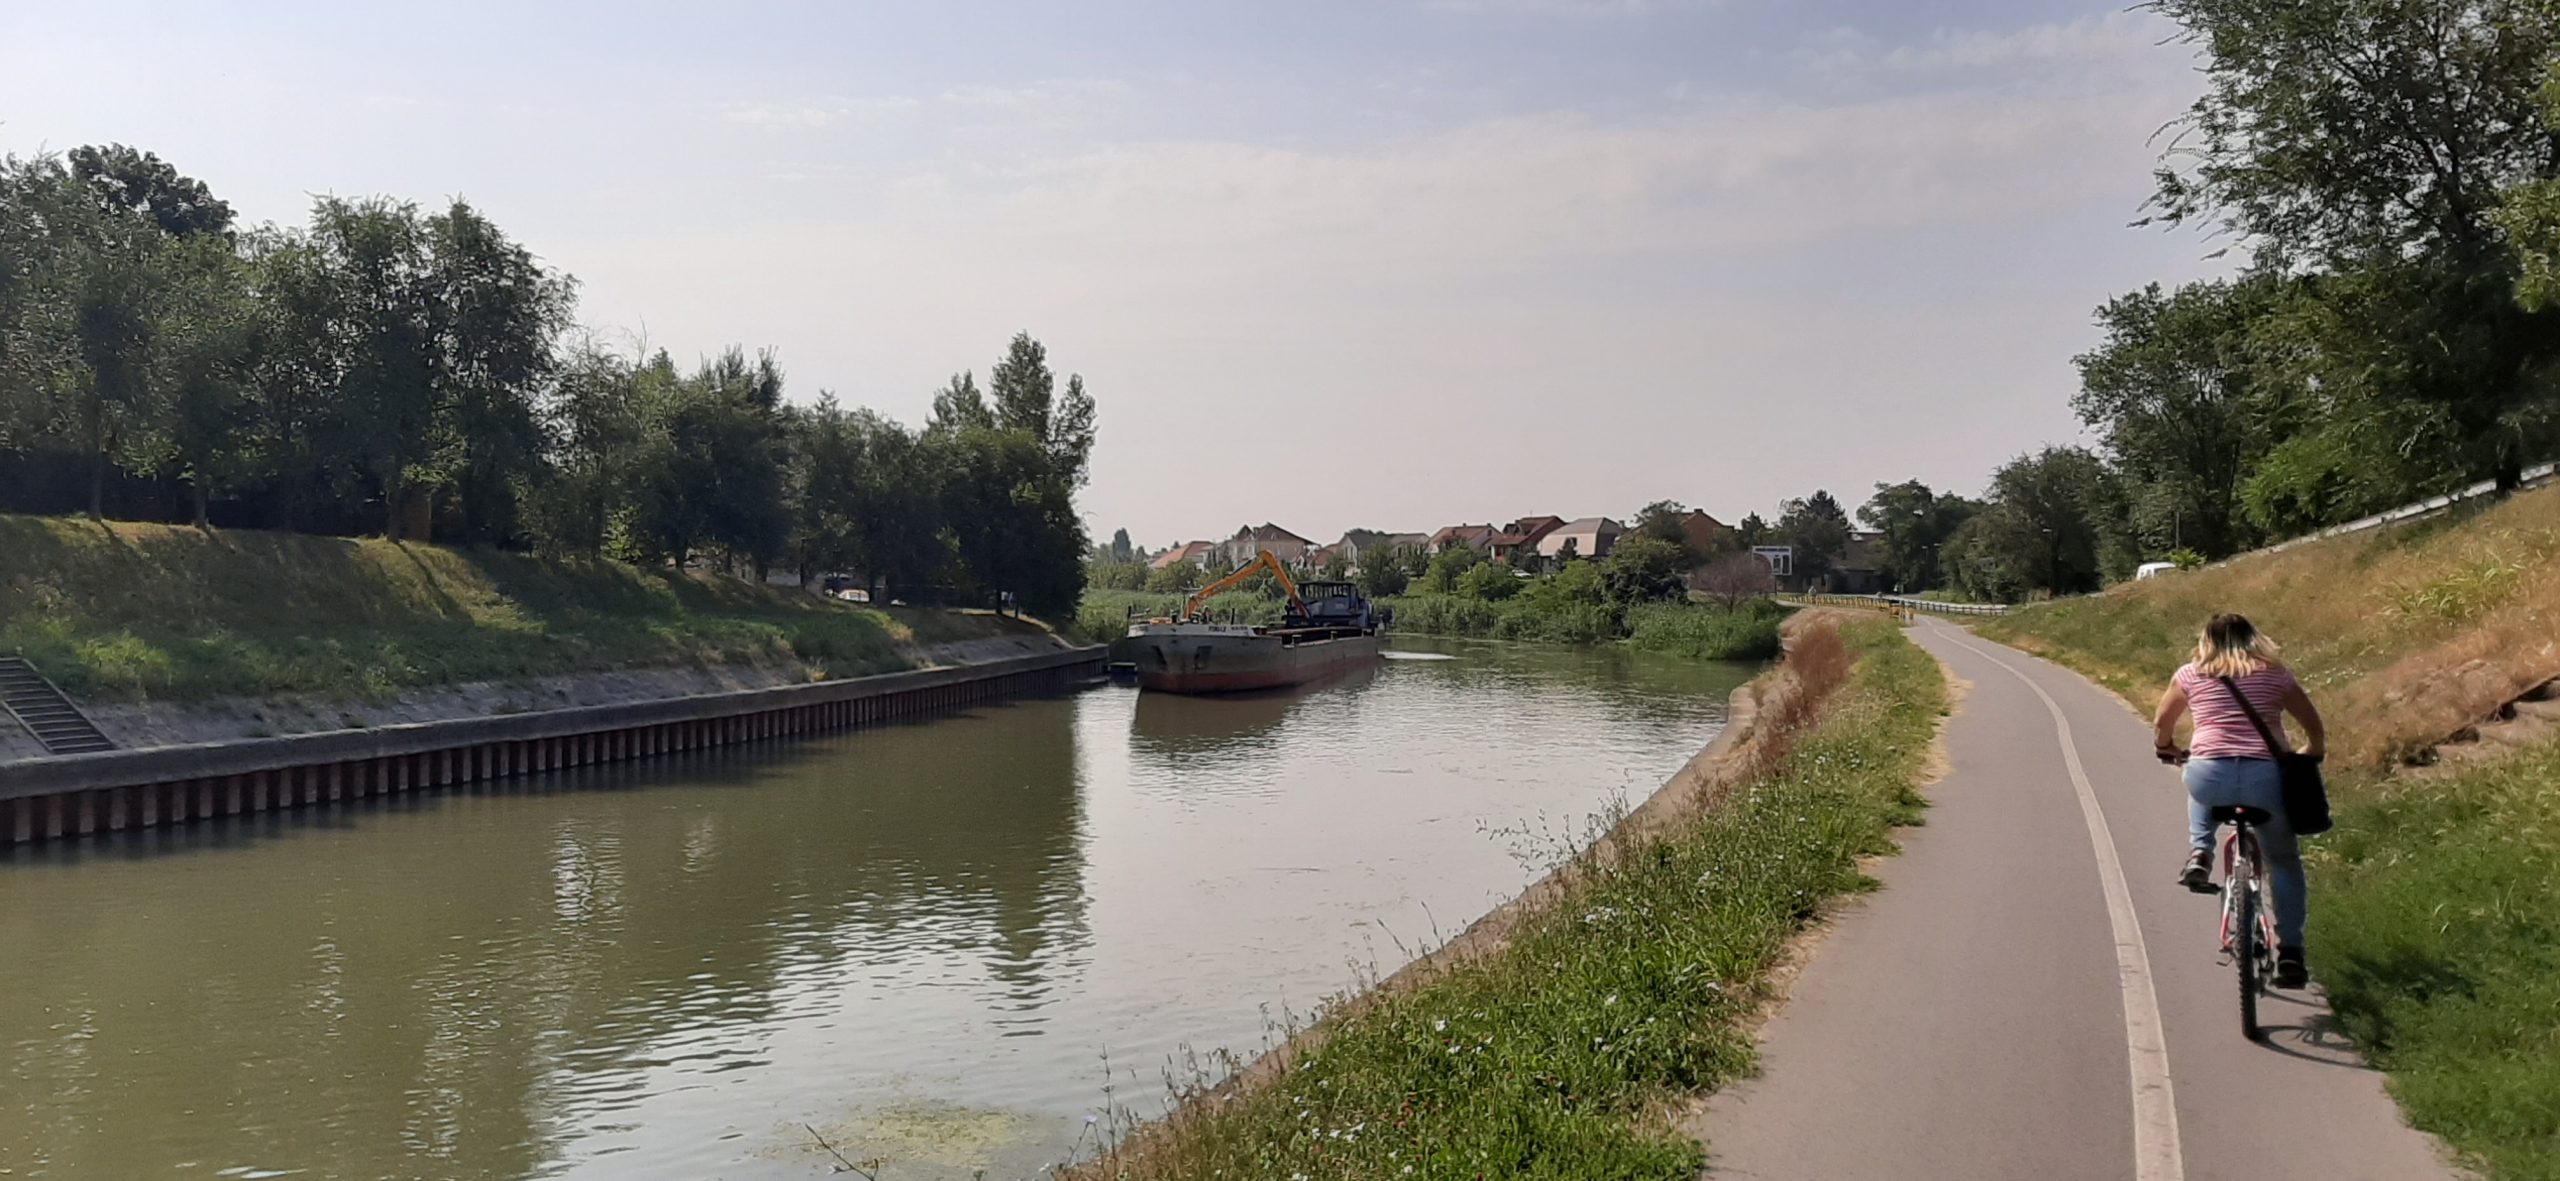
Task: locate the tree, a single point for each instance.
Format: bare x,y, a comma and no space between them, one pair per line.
2172,391
88,292
821,461
1490,581
1666,521
1733,579
494,318
209,339
135,183
1121,551
1441,577
2377,139
1915,523
714,475
374,298
1752,531
1383,573
1641,569
1180,576
1337,566
121,297
897,506
1024,396
1571,585
1818,528
2055,522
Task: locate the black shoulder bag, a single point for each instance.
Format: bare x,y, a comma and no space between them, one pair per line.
2306,796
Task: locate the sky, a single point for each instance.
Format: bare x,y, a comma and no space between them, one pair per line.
1389,264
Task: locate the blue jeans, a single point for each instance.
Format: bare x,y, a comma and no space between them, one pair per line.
2253,783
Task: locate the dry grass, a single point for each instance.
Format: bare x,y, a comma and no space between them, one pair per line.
2404,635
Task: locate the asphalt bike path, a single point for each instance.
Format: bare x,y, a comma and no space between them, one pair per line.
2032,996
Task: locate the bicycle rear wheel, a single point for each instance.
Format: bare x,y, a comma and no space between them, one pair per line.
2245,955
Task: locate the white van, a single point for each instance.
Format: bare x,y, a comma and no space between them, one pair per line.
2153,569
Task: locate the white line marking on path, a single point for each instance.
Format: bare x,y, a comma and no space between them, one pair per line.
2156,1155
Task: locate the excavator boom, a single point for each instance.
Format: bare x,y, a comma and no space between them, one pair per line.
1262,560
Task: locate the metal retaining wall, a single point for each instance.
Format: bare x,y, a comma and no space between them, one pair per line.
76,795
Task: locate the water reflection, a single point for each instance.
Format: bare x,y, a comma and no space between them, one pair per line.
919,938
1171,724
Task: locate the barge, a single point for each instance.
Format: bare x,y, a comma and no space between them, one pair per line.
1329,628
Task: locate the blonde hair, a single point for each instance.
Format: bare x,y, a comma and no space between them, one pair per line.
2231,646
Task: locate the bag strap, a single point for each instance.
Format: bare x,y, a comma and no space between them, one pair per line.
2232,686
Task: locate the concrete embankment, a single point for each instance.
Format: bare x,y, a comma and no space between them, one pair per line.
77,795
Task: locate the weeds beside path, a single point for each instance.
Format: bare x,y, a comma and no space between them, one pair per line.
1558,1052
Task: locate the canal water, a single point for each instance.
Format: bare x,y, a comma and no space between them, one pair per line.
924,941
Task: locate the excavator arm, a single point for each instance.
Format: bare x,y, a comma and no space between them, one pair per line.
1262,560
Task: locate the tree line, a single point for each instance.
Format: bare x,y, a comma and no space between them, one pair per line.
2388,173
415,372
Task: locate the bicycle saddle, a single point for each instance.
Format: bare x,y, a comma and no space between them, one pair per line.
2230,812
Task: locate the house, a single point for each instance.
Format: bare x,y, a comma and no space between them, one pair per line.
1475,537
1588,537
1705,533
1321,556
1358,542
1361,550
1290,548
1194,552
1521,537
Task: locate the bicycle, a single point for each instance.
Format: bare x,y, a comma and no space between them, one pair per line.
2248,916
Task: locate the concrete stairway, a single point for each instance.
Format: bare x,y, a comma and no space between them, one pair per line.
43,710
2520,723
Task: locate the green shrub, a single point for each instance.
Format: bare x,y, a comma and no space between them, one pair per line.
1441,576
1704,633
1490,581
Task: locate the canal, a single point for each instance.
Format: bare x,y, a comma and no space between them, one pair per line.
923,940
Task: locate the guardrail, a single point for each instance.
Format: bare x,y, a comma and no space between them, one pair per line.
1904,602
1940,608
2532,477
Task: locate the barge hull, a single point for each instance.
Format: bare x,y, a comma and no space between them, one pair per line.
1238,664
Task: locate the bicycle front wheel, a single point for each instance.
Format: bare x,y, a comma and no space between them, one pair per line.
2245,955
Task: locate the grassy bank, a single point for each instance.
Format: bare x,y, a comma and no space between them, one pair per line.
2435,925
2435,918
134,611
2405,635
1555,1054
1684,629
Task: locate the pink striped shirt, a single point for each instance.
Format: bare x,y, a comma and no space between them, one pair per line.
2222,730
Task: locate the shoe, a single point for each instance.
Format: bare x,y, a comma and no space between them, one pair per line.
2198,875
2291,971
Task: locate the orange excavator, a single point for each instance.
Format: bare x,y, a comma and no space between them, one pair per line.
1262,560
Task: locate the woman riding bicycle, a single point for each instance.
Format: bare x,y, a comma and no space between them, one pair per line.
2228,764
